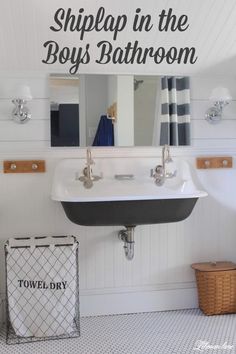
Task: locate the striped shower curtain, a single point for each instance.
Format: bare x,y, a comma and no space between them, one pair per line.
175,111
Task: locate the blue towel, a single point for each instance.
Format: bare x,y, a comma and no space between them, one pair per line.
105,133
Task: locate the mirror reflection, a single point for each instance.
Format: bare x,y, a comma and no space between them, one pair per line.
64,111
119,110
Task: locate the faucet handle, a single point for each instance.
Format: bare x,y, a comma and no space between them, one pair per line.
159,175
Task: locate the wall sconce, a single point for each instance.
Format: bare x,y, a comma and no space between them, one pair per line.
21,113
221,98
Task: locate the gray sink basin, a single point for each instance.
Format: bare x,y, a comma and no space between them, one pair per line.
129,213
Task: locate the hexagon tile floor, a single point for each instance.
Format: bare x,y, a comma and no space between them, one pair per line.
170,332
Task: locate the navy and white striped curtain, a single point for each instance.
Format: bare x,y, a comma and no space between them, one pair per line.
175,111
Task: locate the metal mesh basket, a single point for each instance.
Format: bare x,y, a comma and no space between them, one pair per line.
42,289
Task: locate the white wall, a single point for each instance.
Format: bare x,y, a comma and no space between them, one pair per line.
160,276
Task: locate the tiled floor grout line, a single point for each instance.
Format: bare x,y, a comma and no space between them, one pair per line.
170,332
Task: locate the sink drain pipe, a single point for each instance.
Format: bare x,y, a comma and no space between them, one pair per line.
127,236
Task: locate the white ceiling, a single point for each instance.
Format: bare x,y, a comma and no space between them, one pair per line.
24,28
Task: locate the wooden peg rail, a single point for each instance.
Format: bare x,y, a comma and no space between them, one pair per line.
214,162
25,166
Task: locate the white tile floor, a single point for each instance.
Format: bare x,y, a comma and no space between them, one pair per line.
171,332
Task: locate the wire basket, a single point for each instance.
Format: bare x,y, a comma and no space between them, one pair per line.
216,283
42,289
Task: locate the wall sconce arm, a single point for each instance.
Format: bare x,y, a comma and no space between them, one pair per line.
20,113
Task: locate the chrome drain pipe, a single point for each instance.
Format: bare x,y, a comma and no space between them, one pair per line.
127,236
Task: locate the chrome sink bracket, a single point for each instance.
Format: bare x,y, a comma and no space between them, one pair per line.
127,236
88,178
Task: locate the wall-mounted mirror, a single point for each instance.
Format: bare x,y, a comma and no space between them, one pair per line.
119,110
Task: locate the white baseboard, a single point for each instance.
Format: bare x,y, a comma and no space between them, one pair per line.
134,302
130,302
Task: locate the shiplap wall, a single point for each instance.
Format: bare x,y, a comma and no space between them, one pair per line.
207,135
211,30
160,277
36,133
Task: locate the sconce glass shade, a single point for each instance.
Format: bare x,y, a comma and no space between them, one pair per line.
220,94
23,92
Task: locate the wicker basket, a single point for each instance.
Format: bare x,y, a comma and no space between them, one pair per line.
216,284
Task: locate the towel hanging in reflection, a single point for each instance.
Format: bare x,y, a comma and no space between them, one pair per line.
105,133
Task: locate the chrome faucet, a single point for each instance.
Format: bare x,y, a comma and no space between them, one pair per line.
88,178
160,173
